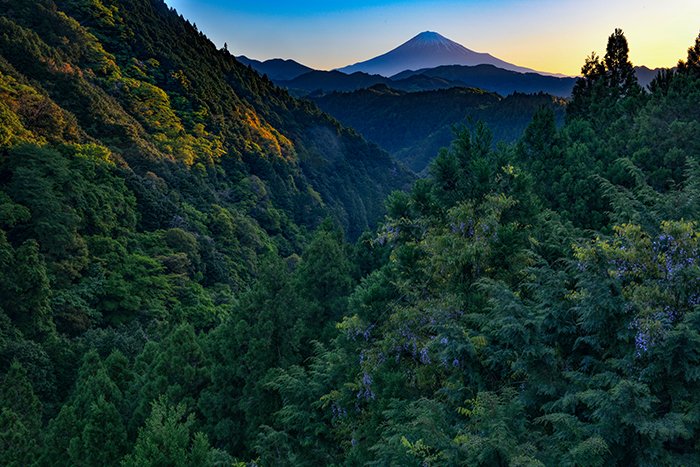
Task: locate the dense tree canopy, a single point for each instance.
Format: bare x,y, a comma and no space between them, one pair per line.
170,293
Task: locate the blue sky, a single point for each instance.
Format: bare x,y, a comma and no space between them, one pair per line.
546,35
295,8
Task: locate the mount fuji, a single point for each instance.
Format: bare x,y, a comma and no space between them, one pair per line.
429,50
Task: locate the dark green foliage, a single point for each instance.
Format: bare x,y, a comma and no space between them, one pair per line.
167,440
17,445
692,64
607,87
27,302
486,339
20,418
414,125
161,222
619,73
103,436
174,368
144,176
17,395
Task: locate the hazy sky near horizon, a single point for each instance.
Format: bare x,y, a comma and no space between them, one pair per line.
546,35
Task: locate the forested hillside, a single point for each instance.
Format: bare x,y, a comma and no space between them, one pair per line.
136,78
184,279
413,126
146,178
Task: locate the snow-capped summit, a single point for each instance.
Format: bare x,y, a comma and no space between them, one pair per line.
428,50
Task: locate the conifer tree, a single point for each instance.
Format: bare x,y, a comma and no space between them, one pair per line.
61,431
588,87
29,304
174,368
167,439
323,279
87,420
17,443
604,82
103,438
692,64
17,395
620,77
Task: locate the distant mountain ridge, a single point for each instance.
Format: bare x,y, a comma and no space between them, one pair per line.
428,61
492,78
486,77
428,50
276,68
331,81
646,75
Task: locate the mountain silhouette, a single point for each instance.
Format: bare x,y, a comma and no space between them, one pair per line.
428,50
276,68
494,79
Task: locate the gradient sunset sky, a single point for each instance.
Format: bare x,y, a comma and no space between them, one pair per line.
546,35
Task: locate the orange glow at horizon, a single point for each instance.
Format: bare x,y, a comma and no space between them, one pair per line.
545,35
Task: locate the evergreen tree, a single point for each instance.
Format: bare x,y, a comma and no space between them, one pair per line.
103,438
92,384
29,305
605,83
540,136
17,443
166,439
323,280
662,82
692,64
119,370
588,87
17,395
76,436
174,368
60,433
621,79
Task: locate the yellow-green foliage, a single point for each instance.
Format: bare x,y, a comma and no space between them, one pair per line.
12,130
28,115
151,106
266,140
105,16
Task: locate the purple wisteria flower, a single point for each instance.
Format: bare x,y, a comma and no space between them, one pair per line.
424,357
464,228
338,411
694,300
366,392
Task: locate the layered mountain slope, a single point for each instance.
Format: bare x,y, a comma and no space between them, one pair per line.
492,78
328,81
486,77
428,50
